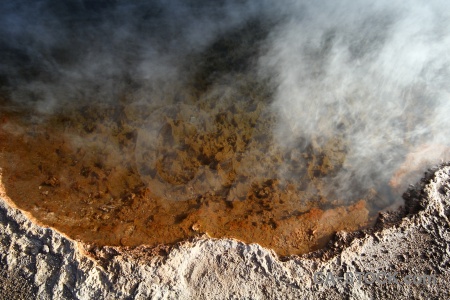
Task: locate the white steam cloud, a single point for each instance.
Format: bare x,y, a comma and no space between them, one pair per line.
55,53
374,74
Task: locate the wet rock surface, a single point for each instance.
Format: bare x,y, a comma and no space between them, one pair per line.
411,241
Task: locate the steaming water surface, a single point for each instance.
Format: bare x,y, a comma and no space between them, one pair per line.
129,124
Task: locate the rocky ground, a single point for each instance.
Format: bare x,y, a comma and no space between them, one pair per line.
40,263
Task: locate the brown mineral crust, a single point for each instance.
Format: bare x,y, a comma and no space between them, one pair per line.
82,173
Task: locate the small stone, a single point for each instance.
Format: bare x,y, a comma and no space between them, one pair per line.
45,249
196,227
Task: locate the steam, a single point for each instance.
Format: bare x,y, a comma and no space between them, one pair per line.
373,74
55,54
